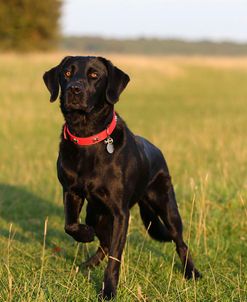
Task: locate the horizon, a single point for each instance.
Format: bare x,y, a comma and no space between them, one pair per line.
136,38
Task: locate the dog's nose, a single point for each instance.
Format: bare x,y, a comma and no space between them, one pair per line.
76,89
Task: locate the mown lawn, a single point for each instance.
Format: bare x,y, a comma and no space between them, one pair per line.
195,110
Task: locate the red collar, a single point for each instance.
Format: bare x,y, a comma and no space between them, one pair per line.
94,139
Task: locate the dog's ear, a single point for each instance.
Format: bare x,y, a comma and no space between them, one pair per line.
51,79
117,81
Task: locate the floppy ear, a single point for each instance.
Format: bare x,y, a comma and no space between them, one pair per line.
52,81
117,81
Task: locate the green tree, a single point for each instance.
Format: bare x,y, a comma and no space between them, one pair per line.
29,24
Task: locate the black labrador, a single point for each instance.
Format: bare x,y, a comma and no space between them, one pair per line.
102,161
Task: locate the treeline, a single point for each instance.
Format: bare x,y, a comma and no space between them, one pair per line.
152,46
28,25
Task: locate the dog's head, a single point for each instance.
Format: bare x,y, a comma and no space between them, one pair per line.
85,82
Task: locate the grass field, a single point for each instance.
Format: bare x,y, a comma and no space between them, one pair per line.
195,110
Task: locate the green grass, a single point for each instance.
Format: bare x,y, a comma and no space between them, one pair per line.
195,111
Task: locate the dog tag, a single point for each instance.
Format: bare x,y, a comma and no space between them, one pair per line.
109,145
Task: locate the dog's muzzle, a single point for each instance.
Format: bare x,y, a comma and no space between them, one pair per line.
75,98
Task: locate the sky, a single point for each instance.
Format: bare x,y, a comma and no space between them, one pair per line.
187,19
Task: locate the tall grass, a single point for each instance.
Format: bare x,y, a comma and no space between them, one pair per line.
195,111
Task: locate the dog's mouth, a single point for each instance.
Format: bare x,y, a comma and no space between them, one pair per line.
77,108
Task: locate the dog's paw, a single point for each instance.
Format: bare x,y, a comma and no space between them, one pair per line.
92,262
107,294
80,232
108,291
86,233
192,273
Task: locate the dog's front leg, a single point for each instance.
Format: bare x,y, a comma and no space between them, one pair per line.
72,207
119,232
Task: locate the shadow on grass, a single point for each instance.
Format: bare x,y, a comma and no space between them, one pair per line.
27,212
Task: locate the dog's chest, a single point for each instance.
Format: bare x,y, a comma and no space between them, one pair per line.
82,166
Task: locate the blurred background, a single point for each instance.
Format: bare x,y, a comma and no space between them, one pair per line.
187,61
141,26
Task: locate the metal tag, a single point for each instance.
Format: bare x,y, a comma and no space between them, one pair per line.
110,148
109,145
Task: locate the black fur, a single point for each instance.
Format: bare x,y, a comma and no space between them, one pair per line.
111,183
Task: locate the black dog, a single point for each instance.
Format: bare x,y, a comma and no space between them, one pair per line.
102,161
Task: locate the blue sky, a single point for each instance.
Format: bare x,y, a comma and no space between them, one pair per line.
188,19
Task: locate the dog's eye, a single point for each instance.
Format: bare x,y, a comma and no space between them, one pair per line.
67,73
93,75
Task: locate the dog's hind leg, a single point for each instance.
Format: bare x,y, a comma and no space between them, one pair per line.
160,197
152,222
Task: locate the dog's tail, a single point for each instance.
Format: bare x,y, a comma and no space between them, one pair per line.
155,227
